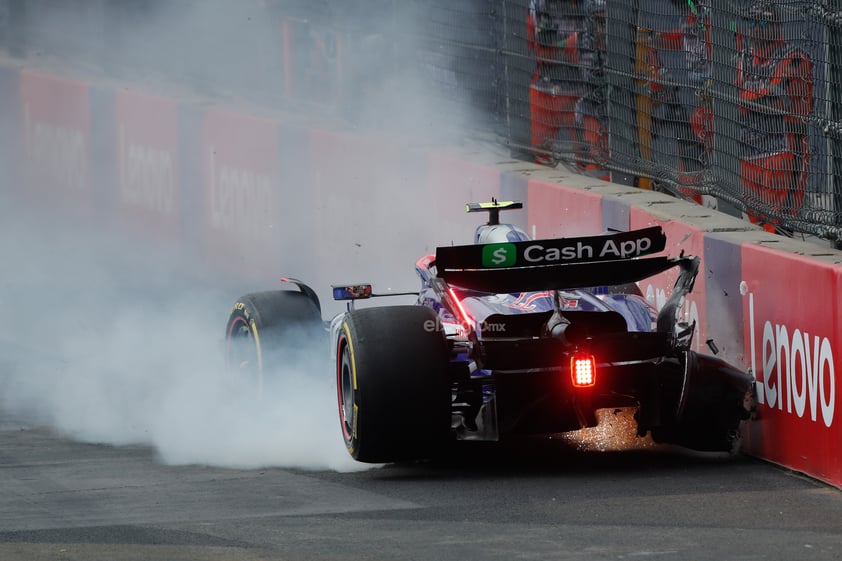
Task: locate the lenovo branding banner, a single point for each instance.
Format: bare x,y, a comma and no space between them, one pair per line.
349,175
242,191
791,332
56,140
147,177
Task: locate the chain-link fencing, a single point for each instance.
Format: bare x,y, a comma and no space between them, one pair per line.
733,103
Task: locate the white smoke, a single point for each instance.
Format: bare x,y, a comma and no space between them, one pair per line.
119,346
115,340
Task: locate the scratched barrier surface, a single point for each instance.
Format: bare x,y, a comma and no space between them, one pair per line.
251,195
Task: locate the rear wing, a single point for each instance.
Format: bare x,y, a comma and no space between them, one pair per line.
557,263
551,277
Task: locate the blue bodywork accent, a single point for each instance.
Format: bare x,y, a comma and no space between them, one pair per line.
638,313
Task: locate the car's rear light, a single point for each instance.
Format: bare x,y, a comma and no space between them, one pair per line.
583,370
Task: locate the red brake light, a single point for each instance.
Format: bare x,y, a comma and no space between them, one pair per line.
583,370
461,314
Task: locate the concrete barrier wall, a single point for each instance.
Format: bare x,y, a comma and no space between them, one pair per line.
767,302
256,196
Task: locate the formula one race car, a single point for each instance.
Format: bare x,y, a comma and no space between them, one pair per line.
509,336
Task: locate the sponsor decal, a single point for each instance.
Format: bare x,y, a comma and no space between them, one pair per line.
147,161
240,201
146,176
796,373
56,138
241,191
553,252
790,342
499,255
241,307
538,253
56,156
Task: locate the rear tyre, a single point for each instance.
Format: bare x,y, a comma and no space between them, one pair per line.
392,384
267,330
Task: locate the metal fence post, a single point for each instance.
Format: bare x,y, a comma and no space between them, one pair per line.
834,133
724,175
622,118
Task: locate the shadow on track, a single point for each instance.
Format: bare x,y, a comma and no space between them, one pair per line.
611,449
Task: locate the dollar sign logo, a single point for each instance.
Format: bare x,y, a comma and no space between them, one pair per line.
498,255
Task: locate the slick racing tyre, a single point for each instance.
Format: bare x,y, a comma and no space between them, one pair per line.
267,330
392,383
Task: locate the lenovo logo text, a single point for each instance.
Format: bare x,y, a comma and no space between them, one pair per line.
56,156
797,373
240,202
147,177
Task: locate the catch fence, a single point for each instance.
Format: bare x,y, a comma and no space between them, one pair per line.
734,103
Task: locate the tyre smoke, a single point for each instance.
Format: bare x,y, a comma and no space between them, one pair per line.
114,333
113,344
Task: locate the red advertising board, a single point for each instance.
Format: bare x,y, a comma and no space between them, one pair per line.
690,240
792,335
372,209
146,171
555,210
56,140
453,182
242,195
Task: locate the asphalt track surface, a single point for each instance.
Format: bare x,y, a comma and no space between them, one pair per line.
66,500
